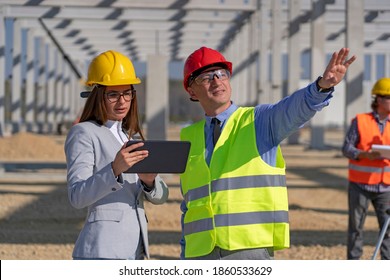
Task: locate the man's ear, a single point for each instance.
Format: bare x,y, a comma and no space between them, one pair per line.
192,94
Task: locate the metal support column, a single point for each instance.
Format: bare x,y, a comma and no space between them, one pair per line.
157,97
245,62
41,86
59,94
355,42
264,38
30,83
66,91
51,88
294,55
317,131
252,49
16,88
276,63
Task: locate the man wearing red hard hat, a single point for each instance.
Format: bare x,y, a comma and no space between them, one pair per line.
235,198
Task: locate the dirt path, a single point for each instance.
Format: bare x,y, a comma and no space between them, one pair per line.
37,222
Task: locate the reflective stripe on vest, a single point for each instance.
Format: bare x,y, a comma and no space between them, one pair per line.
236,183
366,168
236,219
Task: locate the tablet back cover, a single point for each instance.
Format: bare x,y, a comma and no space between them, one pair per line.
164,157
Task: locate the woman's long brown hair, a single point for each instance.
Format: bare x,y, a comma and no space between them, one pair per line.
95,110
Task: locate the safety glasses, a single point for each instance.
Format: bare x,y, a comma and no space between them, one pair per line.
114,96
387,97
207,77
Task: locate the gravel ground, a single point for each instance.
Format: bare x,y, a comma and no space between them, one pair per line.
38,223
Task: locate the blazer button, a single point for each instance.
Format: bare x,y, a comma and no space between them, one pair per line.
113,189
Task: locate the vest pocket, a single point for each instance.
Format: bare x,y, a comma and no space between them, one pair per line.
113,215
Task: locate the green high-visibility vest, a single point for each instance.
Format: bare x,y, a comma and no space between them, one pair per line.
239,201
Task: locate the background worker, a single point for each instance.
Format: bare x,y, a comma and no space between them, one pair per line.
235,198
97,157
369,173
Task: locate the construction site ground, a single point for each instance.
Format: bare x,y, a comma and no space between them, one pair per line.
38,223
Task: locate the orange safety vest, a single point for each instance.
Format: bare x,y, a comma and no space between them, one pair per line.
370,171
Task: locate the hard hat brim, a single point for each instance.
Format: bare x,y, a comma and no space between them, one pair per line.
134,81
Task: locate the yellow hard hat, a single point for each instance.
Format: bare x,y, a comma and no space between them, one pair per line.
381,87
111,68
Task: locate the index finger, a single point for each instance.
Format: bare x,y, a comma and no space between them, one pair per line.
133,146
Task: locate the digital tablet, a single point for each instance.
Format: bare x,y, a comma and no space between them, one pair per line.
384,150
164,156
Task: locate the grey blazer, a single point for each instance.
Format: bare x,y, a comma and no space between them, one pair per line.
116,216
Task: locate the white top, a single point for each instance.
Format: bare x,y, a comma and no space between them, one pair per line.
116,129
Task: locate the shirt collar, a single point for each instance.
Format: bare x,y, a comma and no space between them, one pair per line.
222,117
114,126
111,123
376,116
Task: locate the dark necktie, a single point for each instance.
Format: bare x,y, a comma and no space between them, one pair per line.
216,130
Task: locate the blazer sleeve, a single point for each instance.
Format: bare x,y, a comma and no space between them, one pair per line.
160,192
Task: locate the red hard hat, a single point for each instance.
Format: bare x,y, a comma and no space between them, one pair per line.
203,58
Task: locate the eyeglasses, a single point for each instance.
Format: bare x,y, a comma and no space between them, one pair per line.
206,78
114,96
387,97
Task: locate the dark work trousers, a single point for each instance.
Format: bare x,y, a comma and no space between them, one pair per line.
358,203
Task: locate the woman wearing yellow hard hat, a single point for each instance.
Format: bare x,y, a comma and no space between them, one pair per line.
97,160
